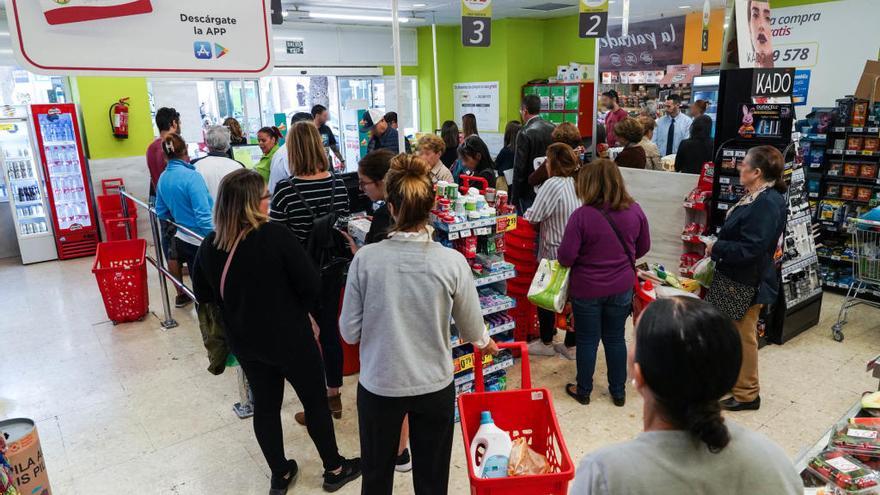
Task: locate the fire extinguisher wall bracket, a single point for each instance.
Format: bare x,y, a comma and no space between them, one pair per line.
119,118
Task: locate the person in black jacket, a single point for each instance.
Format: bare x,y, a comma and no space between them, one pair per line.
532,142
450,135
696,150
744,253
269,331
504,160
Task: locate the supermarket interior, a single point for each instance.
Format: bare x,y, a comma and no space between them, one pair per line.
424,217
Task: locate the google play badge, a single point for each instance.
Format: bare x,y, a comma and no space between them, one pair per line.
220,50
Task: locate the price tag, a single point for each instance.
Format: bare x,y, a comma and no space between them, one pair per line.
723,206
872,434
858,129
453,236
593,20
874,130
465,233
851,152
867,153
483,231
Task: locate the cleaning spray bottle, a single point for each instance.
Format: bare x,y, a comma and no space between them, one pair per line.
496,446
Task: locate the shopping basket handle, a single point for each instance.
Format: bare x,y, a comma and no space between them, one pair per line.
479,386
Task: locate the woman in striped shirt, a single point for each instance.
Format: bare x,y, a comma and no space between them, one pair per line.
313,191
555,202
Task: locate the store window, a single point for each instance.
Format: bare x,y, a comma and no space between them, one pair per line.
20,87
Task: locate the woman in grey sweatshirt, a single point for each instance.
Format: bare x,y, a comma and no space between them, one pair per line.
399,298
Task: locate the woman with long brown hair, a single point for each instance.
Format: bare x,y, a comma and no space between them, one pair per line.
469,125
405,348
269,330
311,191
236,136
602,241
744,261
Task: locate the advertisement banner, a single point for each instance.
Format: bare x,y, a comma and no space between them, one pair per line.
141,37
815,37
653,44
754,34
481,99
682,74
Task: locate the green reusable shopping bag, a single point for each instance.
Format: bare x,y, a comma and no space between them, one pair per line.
549,289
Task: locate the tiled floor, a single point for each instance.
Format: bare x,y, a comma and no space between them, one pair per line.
131,407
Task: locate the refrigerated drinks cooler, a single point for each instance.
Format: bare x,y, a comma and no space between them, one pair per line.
68,188
25,189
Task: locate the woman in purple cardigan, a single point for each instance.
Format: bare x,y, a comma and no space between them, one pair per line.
602,241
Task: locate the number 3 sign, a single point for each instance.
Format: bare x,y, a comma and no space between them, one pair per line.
593,19
476,22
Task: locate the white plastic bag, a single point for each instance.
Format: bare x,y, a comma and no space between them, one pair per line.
549,289
704,272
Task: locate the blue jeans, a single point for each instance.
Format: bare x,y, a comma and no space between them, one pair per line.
605,318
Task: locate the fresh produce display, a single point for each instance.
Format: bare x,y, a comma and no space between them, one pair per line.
862,441
871,401
845,472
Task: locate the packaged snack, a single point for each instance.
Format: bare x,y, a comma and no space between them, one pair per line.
845,472
835,169
871,144
850,169
833,191
860,113
839,144
848,192
855,143
868,171
844,111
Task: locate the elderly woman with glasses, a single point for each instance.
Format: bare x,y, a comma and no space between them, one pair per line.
217,164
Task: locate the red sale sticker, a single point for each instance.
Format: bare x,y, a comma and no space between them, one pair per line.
70,11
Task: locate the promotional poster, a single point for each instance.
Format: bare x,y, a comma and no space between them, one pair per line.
754,34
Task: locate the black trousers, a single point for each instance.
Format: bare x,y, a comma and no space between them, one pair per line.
327,317
547,321
305,372
431,426
185,253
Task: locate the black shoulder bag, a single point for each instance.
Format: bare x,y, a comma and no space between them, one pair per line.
629,254
325,245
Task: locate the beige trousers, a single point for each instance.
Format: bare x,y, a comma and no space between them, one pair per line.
747,387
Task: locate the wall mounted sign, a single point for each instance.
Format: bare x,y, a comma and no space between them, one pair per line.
754,34
481,99
772,83
653,44
593,20
119,37
476,22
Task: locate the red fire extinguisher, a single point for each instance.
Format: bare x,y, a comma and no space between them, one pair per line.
119,118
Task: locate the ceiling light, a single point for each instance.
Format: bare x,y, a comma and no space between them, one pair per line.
354,17
419,5
685,7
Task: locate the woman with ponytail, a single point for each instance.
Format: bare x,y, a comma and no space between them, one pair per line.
405,349
268,138
686,355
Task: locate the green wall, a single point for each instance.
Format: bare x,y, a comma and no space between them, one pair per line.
95,95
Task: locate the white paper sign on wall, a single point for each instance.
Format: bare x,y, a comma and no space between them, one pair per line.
142,37
481,99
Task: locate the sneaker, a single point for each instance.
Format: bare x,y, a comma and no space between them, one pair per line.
351,470
404,462
565,351
538,348
280,485
182,301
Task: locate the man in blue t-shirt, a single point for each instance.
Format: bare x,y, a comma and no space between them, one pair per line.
382,134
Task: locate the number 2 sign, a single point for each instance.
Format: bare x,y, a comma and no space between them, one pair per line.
593,21
476,22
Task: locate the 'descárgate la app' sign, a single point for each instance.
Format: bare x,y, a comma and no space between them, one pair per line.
141,37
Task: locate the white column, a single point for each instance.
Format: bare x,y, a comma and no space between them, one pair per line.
398,80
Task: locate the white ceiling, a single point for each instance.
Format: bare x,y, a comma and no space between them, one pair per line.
449,11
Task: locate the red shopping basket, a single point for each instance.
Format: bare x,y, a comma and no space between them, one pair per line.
109,206
121,270
111,186
526,413
115,228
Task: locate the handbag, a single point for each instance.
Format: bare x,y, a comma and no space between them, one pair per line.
730,297
549,289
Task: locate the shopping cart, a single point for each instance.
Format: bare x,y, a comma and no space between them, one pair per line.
121,271
866,270
526,413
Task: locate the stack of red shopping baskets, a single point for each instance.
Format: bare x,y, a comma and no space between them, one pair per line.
520,248
121,270
113,216
526,413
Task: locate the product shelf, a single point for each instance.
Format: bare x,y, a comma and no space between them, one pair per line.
495,278
840,152
490,310
492,332
797,265
692,239
695,206
843,259
468,377
857,130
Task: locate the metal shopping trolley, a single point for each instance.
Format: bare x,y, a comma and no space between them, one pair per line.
866,270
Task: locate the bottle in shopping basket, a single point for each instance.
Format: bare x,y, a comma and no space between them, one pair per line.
496,446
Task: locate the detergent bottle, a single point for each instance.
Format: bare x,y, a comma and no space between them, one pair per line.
496,445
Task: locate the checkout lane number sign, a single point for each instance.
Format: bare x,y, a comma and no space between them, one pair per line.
593,20
476,22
